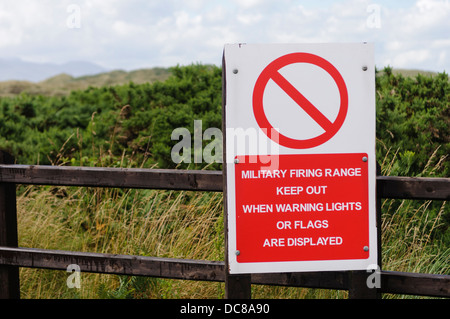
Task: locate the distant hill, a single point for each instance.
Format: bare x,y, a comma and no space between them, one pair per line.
412,73
63,83
14,69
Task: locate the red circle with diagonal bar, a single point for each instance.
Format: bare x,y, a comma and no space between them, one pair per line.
271,73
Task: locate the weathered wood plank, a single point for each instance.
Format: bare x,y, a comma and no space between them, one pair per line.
357,286
186,269
415,284
160,267
414,187
389,186
9,275
114,264
325,280
112,177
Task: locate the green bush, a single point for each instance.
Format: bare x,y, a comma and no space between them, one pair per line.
131,125
133,119
413,118
413,121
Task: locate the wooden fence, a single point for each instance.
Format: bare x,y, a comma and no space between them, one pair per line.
236,286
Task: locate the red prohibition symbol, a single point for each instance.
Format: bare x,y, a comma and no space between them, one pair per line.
271,73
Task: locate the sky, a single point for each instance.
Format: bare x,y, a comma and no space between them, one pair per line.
133,34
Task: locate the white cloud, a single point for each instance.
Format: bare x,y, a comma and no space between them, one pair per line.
10,33
416,36
137,33
123,28
426,18
249,19
246,4
413,57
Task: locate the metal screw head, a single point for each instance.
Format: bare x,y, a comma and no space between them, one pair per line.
364,68
365,159
235,71
366,248
237,252
236,160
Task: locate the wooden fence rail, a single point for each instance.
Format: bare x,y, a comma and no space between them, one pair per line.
389,186
12,257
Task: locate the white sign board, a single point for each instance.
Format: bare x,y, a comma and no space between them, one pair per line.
300,157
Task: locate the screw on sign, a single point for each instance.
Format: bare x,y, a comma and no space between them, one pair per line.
271,72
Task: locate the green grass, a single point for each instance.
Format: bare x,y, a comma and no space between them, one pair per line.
189,225
180,224
144,222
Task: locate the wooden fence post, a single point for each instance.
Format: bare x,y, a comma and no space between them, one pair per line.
236,286
9,275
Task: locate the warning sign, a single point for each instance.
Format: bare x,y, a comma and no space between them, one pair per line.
312,207
300,161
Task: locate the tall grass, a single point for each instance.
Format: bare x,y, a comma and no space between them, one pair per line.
414,235
132,222
182,224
